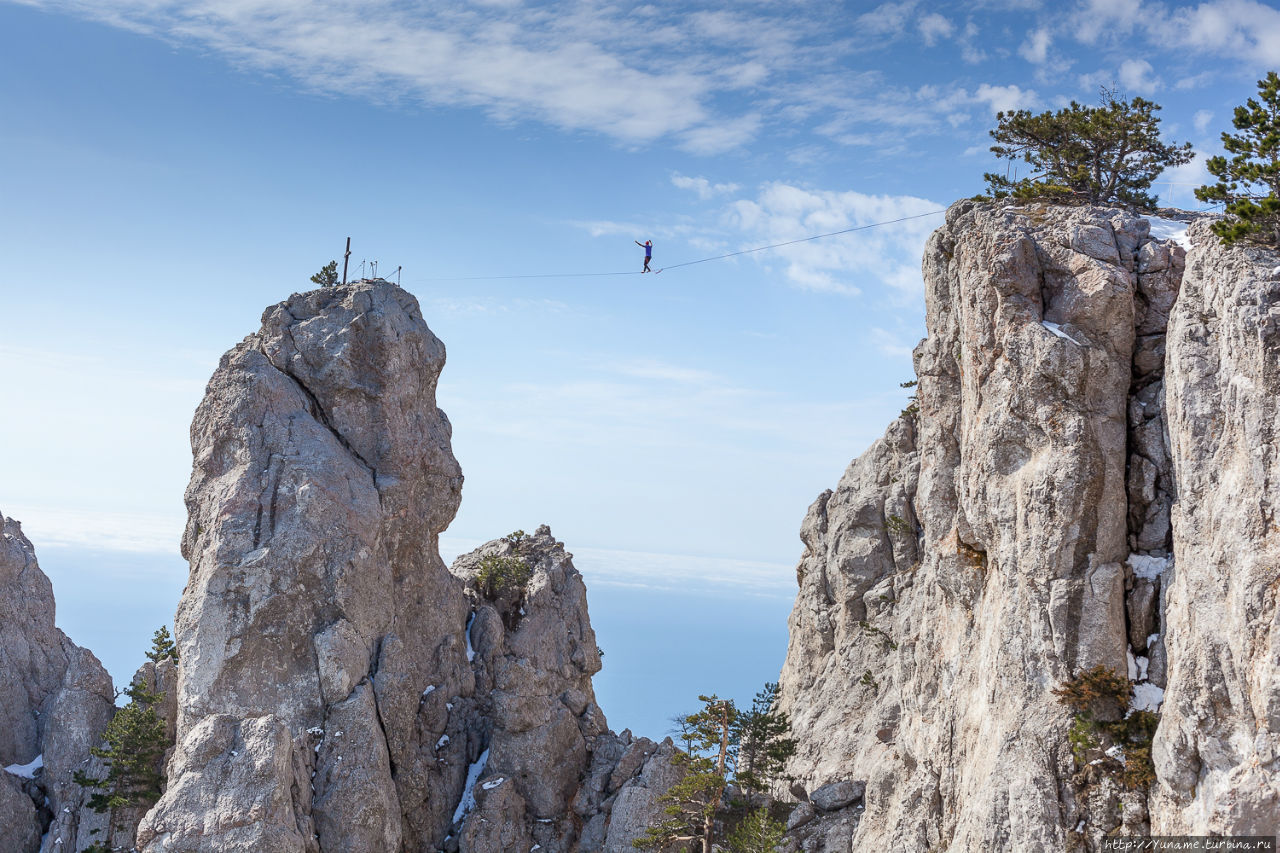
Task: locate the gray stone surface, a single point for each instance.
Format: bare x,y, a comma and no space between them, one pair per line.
972,559
1217,748
318,610
55,697
19,823
800,815
837,795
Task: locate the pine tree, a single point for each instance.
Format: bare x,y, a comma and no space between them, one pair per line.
135,747
328,275
691,803
764,742
1086,155
1249,182
162,646
758,833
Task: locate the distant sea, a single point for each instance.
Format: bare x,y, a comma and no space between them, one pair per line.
671,627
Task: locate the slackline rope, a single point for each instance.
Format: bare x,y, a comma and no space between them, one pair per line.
689,263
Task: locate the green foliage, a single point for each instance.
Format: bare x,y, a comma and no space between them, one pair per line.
1100,699
162,646
899,526
1085,155
516,537
868,628
757,833
1249,182
869,680
328,275
690,804
132,756
913,402
764,742
500,575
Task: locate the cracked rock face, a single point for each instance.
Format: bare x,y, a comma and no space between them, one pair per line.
1217,751
317,609
974,557
55,699
554,775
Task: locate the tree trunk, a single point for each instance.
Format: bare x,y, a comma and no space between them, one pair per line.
708,825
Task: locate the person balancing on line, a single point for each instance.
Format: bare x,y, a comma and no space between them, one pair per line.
647,245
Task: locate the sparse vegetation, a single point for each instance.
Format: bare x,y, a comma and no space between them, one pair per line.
899,526
328,275
690,805
869,680
764,742
722,742
1110,153
162,646
913,402
497,576
132,758
868,628
1249,182
757,833
1103,721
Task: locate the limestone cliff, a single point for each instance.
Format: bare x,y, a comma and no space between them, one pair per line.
340,690
1025,524
55,701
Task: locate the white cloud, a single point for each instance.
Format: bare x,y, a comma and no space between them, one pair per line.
1242,30
886,257
890,344
1176,186
1005,98
137,532
1036,48
1138,76
665,372
703,187
887,19
1113,19
934,27
1202,119
579,68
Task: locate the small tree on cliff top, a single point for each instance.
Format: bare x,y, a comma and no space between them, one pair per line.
1249,182
328,275
1085,155
162,646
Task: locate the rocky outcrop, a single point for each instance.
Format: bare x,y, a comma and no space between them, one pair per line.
340,689
997,543
318,609
55,701
548,772
1217,751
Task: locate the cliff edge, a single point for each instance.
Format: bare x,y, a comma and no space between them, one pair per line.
1083,483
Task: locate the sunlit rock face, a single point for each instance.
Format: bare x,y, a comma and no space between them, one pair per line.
1219,738
340,690
1085,483
318,609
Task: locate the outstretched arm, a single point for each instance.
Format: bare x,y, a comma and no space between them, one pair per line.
638,243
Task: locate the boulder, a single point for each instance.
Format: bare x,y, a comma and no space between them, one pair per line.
837,795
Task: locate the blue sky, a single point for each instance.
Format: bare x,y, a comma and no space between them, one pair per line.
174,167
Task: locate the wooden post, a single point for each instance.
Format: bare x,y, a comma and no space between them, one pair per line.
344,261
